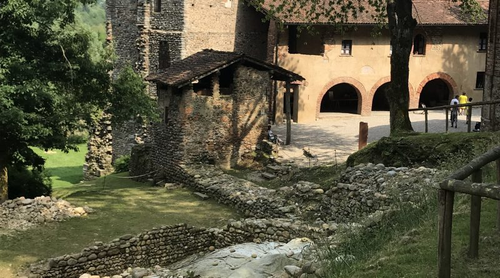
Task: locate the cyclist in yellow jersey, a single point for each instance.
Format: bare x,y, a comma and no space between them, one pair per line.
462,100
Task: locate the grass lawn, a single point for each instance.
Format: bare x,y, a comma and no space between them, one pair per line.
65,168
121,207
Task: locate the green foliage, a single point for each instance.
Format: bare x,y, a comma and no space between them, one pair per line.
122,164
28,183
124,101
54,79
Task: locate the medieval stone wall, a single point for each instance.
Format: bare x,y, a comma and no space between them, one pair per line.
217,129
159,246
137,29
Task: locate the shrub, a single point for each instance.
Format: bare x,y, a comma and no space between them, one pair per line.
122,164
28,183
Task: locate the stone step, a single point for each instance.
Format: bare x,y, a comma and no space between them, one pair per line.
268,176
201,195
274,168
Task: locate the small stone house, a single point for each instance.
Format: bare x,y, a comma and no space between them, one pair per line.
214,108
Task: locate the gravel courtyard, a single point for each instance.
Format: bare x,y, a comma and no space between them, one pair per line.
335,135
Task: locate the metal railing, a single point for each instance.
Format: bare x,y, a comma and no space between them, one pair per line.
476,189
447,109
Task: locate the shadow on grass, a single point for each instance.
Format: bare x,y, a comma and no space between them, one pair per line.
121,207
66,175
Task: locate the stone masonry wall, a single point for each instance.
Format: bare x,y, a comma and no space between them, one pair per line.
221,130
99,150
159,246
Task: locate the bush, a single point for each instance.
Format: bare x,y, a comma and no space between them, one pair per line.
28,183
122,164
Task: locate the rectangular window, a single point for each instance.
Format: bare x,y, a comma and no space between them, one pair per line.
163,55
292,39
480,80
157,6
483,41
346,47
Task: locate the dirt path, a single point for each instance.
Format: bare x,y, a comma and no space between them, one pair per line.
335,135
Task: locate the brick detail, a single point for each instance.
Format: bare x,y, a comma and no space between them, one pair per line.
363,106
452,85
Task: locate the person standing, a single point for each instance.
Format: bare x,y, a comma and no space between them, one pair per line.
454,112
462,100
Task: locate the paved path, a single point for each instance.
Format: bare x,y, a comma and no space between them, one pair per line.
335,135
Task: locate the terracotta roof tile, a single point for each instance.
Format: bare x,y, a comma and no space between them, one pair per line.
208,61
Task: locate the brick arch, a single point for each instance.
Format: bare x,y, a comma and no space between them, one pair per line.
452,85
360,90
413,97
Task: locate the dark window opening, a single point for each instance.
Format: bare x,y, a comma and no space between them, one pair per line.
163,55
226,81
292,39
483,41
419,45
346,47
203,87
380,102
165,114
480,80
340,98
157,5
435,93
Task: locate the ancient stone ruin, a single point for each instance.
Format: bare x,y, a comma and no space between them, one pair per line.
360,199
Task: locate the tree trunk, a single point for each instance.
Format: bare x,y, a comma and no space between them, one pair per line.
401,26
3,180
490,118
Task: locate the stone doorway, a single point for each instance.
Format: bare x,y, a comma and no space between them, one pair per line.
435,93
342,98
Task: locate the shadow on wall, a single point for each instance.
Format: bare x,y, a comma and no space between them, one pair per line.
251,32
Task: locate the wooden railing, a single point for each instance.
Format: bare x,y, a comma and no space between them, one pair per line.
447,109
476,189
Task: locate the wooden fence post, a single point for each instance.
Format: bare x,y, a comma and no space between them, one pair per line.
426,120
446,199
469,118
363,135
475,218
447,119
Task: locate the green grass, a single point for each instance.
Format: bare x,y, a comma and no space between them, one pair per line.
405,245
65,169
121,205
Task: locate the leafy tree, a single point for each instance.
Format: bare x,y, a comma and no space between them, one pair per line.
396,15
52,79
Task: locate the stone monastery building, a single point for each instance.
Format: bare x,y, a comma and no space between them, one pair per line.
343,72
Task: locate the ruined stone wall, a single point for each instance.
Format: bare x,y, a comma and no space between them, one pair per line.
160,246
490,115
216,129
99,150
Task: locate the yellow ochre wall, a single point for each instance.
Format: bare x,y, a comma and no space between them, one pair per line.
451,55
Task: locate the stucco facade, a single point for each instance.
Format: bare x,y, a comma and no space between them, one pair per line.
452,55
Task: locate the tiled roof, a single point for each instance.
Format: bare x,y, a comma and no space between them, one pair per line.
208,61
427,12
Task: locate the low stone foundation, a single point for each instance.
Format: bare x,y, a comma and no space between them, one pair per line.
159,246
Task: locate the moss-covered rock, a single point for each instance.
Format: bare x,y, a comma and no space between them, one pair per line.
428,149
